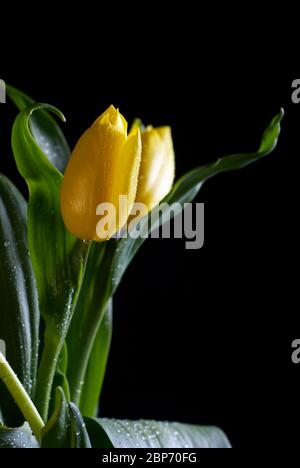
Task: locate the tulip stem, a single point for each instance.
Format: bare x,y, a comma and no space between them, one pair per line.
46,373
86,341
21,397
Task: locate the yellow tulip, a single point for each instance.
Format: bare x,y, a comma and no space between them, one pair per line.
107,164
157,170
104,165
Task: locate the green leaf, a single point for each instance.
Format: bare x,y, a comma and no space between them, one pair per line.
98,437
19,314
45,130
56,433
20,438
79,434
151,434
58,258
93,382
66,428
115,256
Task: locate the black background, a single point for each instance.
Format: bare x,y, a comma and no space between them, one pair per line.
202,336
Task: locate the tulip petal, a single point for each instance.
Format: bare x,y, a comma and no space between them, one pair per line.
104,166
125,178
112,117
157,168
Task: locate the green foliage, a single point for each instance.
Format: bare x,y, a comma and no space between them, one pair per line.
66,428
19,324
57,257
46,273
152,434
20,438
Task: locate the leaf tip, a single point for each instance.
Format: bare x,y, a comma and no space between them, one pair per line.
52,109
281,114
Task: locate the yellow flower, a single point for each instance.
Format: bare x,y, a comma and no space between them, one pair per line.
110,173
104,165
157,170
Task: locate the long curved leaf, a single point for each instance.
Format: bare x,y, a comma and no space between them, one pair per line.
151,434
19,310
45,130
79,435
58,258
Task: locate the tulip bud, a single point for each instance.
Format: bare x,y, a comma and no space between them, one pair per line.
157,170
103,166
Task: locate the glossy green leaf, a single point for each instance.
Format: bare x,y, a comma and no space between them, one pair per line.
58,258
45,130
19,311
116,255
98,437
56,433
79,434
151,434
20,438
66,427
94,378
